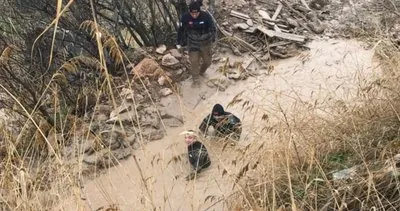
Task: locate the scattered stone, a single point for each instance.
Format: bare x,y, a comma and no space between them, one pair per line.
173,122
122,153
91,159
234,75
249,22
122,108
165,92
128,93
162,80
175,53
168,60
147,68
126,117
153,135
161,49
179,71
292,22
242,26
131,139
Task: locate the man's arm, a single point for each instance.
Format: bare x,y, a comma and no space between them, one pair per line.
181,31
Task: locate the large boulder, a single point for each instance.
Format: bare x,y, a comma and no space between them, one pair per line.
147,68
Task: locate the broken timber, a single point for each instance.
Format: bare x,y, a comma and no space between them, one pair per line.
283,35
239,15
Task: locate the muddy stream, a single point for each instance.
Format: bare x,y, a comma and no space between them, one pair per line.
330,70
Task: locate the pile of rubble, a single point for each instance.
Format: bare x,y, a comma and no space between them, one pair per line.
273,27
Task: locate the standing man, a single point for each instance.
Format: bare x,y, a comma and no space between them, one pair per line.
225,123
197,31
197,154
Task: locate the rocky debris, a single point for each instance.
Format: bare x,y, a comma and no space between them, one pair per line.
162,80
165,92
242,26
161,49
169,60
152,134
289,21
175,53
147,68
106,158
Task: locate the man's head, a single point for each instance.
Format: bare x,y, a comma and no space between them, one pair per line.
190,136
218,111
194,9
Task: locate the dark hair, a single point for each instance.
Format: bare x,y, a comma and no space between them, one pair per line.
218,110
195,5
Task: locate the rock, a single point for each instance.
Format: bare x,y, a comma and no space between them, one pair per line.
316,27
122,153
161,49
175,53
179,71
161,80
292,23
126,117
89,146
100,118
249,22
168,60
91,159
234,75
225,23
131,139
147,68
165,92
128,93
241,26
125,106
103,109
153,135
173,122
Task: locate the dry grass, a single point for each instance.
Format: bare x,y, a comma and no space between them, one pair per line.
294,172
363,134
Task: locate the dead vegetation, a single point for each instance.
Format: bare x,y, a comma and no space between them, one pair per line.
348,160
50,100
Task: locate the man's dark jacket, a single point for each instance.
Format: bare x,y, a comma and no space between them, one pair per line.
230,124
196,32
198,156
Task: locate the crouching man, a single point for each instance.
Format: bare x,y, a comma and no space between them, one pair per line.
225,124
197,154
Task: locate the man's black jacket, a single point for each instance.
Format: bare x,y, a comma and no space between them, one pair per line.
198,156
196,32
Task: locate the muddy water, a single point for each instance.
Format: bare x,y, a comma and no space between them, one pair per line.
331,70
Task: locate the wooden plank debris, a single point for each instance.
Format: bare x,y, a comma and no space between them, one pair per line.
283,35
239,15
264,15
277,11
305,4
